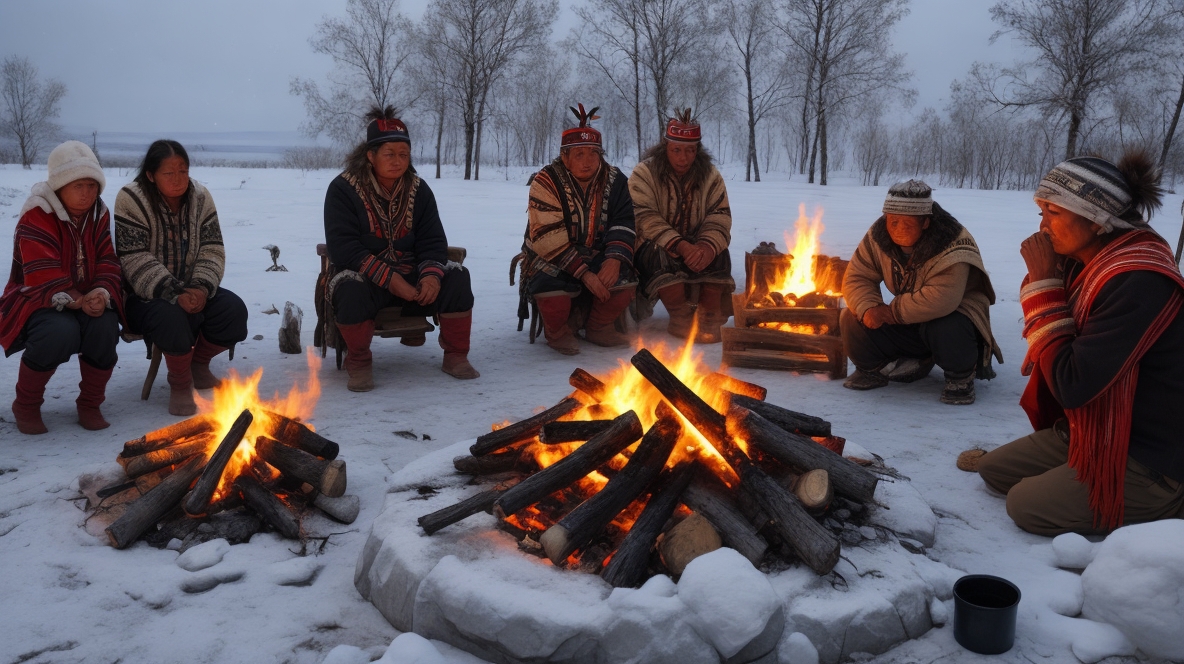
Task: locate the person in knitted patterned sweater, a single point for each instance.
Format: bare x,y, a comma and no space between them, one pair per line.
384,235
579,241
940,313
63,296
1103,317
170,246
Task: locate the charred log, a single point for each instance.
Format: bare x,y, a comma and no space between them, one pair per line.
152,506
294,434
268,506
524,430
628,565
327,477
791,421
157,459
734,385
481,502
198,500
704,418
491,464
167,436
708,496
554,433
588,384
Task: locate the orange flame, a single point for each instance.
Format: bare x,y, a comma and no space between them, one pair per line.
799,278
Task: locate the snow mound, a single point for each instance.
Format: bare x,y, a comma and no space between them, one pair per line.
1072,551
797,649
204,555
730,599
1136,583
294,572
411,648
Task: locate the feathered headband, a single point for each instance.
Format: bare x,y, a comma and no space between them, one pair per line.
582,134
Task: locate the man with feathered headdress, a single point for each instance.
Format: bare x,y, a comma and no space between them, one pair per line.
579,241
684,225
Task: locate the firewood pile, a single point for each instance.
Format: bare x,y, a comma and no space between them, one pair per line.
764,480
180,477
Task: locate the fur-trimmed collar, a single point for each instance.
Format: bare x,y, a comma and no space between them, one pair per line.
47,199
943,230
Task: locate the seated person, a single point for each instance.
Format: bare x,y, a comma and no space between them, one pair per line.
684,228
1102,315
940,313
64,295
170,245
384,234
579,241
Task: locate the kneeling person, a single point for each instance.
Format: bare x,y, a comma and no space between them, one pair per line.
941,310
579,240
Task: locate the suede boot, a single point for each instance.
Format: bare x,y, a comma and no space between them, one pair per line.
600,329
863,379
358,359
203,352
554,308
674,298
959,388
92,392
30,394
181,384
710,315
454,339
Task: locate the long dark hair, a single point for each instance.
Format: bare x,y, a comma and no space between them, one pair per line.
160,150
660,164
356,163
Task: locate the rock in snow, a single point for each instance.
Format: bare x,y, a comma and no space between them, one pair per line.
730,599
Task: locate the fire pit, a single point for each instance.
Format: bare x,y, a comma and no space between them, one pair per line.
615,512
788,315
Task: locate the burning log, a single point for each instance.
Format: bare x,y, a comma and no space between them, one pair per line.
294,434
524,430
728,383
343,508
588,384
198,500
328,477
708,496
167,436
481,502
848,478
157,459
814,490
577,529
490,464
145,512
265,503
703,417
554,433
791,421
628,565
625,430
691,538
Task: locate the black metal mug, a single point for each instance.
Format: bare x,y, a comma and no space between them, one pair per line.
984,613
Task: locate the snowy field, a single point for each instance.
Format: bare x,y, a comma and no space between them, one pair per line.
68,597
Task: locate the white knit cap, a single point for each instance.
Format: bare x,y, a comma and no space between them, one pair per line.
73,160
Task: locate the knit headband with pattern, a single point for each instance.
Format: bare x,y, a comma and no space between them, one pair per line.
1093,188
386,131
912,197
682,129
581,134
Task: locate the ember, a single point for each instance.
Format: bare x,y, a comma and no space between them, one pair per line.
593,493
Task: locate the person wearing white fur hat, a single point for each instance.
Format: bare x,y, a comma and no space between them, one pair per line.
64,294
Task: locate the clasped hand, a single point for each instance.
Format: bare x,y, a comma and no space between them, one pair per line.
192,300
697,256
424,293
92,304
878,316
599,283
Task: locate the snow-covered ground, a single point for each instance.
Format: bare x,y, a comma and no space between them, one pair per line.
65,596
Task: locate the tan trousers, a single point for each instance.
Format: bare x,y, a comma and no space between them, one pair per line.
1044,496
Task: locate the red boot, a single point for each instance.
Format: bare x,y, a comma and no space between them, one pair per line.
203,352
92,392
181,384
710,314
555,307
30,394
599,328
358,359
674,298
454,339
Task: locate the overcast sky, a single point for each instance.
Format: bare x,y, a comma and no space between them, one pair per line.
225,65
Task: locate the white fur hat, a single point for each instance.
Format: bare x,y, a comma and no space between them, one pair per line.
73,160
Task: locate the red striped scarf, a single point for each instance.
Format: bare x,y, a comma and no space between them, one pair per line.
1100,430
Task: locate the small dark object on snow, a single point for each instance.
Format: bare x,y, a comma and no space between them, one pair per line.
275,256
409,435
290,329
258,337
969,459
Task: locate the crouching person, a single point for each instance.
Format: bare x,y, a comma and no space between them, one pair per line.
1102,316
940,313
384,234
170,245
63,296
579,241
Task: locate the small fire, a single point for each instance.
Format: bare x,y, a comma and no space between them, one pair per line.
798,328
237,394
799,279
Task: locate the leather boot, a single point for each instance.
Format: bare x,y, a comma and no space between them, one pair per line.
554,307
959,388
710,314
358,359
203,352
454,339
181,384
92,392
600,329
30,394
674,298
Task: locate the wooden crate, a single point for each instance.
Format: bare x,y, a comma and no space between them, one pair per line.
747,345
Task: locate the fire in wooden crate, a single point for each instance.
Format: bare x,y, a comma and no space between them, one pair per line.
788,315
595,481
240,453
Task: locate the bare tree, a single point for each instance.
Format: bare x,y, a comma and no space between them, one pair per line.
30,105
369,48
611,40
752,29
1082,48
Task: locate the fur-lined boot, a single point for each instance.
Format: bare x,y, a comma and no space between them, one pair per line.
359,362
455,329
